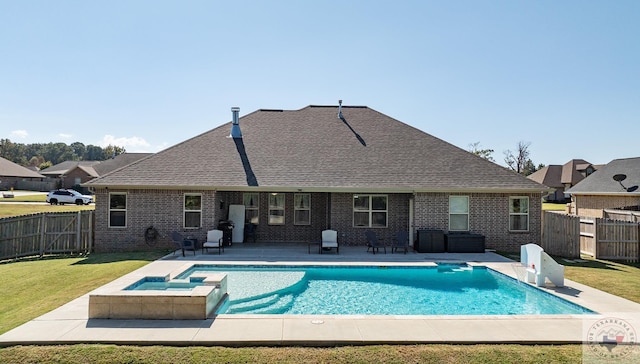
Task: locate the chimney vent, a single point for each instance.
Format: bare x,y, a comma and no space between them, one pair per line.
235,124
340,109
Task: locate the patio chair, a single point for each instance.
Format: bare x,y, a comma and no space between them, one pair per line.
401,241
373,243
214,241
182,244
329,240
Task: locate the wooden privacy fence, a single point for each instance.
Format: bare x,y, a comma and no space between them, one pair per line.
46,233
561,234
625,215
569,236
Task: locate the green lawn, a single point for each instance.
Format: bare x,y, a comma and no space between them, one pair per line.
50,288
548,206
28,207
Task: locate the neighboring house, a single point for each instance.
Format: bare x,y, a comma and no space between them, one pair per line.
73,173
298,172
613,186
562,177
11,174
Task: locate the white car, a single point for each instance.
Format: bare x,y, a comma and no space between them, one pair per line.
68,196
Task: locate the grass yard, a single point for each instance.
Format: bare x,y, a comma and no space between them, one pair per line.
58,280
15,208
548,206
620,279
18,209
50,288
490,354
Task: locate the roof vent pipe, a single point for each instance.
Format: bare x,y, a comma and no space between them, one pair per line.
340,109
235,124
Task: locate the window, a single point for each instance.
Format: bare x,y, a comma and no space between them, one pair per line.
302,209
276,209
117,209
459,213
519,213
370,210
192,210
250,201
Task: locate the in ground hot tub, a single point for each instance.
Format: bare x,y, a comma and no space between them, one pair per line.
152,298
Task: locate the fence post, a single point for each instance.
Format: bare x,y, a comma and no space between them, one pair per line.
43,235
78,230
596,224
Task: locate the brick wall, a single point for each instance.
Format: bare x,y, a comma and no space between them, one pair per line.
342,218
592,205
69,180
488,215
162,209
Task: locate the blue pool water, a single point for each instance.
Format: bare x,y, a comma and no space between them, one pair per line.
337,290
161,284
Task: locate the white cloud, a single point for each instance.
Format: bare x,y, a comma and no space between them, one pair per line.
65,136
19,134
126,143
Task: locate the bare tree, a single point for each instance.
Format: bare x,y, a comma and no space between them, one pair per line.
484,153
518,161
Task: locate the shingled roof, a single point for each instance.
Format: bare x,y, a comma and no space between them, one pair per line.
62,168
557,176
602,182
548,175
94,168
313,149
10,169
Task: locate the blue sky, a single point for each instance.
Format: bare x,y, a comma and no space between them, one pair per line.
561,75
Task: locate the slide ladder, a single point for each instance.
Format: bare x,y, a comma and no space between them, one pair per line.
539,266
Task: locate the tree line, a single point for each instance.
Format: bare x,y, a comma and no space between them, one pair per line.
518,160
43,155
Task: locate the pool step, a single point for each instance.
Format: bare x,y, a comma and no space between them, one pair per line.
279,307
264,305
254,304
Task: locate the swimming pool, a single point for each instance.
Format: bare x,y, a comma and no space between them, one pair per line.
448,289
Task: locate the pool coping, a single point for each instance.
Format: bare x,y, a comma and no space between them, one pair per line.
70,324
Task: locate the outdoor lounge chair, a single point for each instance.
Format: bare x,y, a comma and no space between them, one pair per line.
401,241
373,243
214,241
183,244
329,240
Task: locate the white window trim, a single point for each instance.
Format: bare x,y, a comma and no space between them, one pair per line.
511,198
457,213
296,209
184,211
283,209
126,199
370,211
249,208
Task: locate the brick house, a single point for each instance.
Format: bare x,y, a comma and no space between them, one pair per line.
298,172
613,186
562,177
11,174
71,174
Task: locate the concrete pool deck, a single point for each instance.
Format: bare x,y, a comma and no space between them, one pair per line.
69,324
